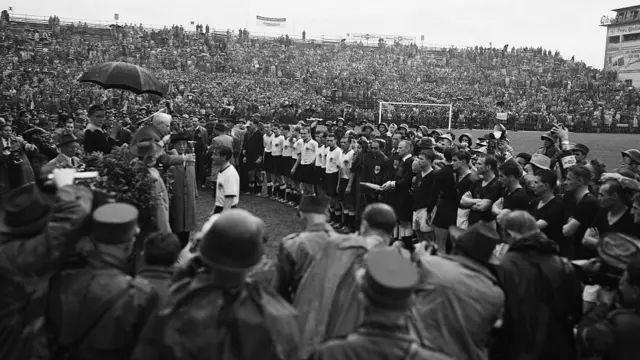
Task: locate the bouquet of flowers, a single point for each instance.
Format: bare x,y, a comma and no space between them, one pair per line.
127,181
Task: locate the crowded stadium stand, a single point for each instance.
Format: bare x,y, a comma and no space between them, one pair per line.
234,73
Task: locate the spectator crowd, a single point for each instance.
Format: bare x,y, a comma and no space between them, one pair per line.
416,243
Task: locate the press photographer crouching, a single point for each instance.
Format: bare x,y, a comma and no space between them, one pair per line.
612,328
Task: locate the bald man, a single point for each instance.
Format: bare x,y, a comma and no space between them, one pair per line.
159,129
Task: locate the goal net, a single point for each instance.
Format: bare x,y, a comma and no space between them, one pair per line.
433,116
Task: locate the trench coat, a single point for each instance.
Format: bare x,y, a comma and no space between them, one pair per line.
182,206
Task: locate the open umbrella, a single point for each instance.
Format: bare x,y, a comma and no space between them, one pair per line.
121,75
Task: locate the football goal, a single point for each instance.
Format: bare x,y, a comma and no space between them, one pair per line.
433,116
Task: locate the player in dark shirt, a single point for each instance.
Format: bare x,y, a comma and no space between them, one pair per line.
423,167
514,197
581,209
547,208
484,192
464,179
614,216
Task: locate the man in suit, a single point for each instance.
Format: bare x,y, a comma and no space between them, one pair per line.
68,146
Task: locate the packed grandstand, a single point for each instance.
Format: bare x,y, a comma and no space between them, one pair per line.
235,73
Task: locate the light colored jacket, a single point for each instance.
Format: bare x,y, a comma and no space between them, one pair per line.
458,302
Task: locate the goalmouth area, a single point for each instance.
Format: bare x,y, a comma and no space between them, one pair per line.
390,104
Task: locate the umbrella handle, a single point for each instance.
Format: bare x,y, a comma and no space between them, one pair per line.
152,115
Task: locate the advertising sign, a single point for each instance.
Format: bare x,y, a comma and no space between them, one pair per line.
271,22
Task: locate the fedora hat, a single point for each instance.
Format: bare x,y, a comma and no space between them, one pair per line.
181,136
26,211
145,147
477,242
541,161
65,139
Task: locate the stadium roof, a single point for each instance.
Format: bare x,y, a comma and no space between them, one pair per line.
626,8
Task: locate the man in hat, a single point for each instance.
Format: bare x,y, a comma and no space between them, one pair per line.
36,233
111,308
298,251
68,147
580,151
331,280
549,147
464,293
229,249
385,287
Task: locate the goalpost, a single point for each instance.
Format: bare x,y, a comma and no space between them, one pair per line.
391,103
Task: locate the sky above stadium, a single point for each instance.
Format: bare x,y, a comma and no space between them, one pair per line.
570,26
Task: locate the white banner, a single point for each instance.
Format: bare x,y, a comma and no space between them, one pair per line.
271,22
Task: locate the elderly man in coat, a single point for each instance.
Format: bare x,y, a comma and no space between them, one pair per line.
36,230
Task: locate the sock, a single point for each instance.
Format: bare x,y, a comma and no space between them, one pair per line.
282,191
252,186
287,194
338,216
269,189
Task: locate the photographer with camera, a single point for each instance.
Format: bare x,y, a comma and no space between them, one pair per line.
612,328
37,230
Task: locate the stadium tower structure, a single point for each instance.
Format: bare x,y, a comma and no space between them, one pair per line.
622,49
391,103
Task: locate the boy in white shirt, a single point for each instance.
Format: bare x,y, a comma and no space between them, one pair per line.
228,183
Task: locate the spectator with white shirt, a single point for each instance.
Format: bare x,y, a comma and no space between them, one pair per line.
228,182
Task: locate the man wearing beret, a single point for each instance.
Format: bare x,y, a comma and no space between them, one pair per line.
385,287
98,312
298,251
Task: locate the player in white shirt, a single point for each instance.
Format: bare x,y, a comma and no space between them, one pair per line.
287,163
332,175
228,182
346,192
305,165
297,150
320,163
276,155
267,162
